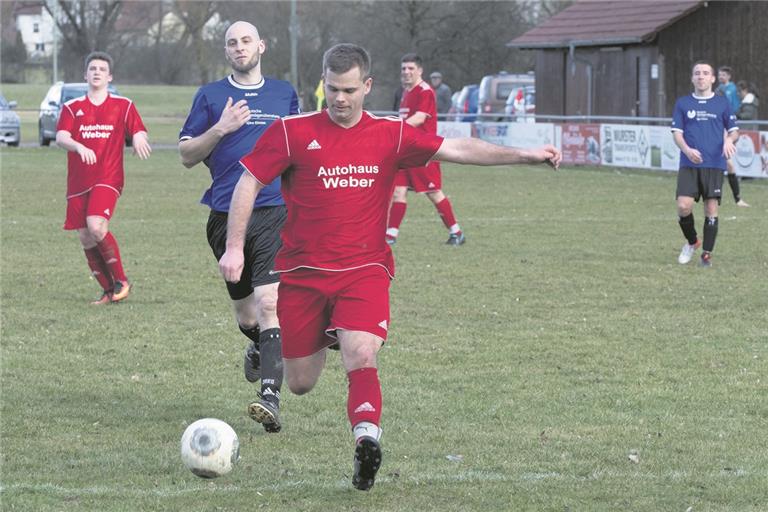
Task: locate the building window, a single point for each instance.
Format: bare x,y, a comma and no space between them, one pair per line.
35,28
40,47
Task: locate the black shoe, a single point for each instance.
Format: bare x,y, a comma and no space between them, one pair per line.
252,363
456,239
367,462
267,413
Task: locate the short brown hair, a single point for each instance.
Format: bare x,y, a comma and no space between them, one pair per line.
99,56
345,56
412,57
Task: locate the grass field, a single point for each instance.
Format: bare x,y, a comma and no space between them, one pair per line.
522,371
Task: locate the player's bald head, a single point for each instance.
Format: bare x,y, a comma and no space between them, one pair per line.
240,28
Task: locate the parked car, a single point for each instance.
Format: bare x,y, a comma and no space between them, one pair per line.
10,123
495,89
520,102
50,108
466,104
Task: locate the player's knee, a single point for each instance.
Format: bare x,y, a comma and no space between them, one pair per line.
267,304
361,356
298,384
97,231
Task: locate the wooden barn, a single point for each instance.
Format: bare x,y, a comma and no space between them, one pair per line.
634,58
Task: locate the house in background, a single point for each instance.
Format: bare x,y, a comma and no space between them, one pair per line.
35,24
634,58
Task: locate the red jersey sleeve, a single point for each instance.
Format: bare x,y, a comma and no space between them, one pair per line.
416,147
426,102
133,122
66,119
270,156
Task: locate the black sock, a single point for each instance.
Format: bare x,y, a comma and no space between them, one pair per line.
688,227
710,233
252,333
270,348
733,180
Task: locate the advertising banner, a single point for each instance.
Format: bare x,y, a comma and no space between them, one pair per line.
581,144
664,152
520,135
454,130
625,145
750,154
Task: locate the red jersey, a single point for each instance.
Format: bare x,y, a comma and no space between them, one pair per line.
420,99
102,128
337,184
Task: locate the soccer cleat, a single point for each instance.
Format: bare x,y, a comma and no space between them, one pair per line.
742,203
122,290
367,462
706,259
106,298
265,412
687,252
252,363
391,240
456,239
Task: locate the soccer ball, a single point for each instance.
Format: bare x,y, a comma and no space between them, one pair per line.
209,448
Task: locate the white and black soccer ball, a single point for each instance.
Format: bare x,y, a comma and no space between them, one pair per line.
210,448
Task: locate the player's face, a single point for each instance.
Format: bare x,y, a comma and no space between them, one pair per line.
243,48
345,94
410,74
97,74
723,77
703,78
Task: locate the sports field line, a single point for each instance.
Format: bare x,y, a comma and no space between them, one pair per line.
286,485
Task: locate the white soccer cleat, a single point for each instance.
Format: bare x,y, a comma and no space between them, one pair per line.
687,252
742,203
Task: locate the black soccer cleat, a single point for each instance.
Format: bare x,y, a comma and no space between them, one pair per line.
267,413
367,462
456,239
252,363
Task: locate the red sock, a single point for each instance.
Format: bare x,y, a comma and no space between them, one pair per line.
111,253
99,268
446,213
396,215
364,399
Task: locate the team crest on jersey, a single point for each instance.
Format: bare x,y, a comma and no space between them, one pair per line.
691,114
314,145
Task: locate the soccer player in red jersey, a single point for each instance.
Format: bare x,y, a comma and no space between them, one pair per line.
93,129
419,109
338,171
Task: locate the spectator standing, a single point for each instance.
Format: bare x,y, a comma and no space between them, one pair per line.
749,104
442,92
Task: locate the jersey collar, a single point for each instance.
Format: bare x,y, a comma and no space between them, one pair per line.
248,87
709,97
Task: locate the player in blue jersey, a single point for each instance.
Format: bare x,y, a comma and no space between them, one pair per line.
226,119
699,123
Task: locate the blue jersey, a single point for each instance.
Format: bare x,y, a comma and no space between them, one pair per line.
703,121
268,101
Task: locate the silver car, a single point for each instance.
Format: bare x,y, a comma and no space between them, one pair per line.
10,123
50,108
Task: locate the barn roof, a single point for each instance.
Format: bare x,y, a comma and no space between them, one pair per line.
605,23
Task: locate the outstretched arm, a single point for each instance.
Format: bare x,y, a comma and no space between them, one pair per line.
246,190
475,151
195,150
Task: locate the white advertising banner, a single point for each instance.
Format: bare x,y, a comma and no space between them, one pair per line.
520,135
750,154
664,152
454,130
625,145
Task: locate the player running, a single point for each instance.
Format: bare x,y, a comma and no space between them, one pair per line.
226,119
93,129
338,169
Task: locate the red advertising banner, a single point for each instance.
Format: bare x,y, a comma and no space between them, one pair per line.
581,144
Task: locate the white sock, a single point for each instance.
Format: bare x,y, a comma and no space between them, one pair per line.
366,428
393,232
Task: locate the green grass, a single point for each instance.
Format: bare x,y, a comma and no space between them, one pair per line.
561,338
162,107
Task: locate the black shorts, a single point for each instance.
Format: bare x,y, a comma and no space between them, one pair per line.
700,182
262,241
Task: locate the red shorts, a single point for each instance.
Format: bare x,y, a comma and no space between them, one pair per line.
100,201
420,179
312,304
